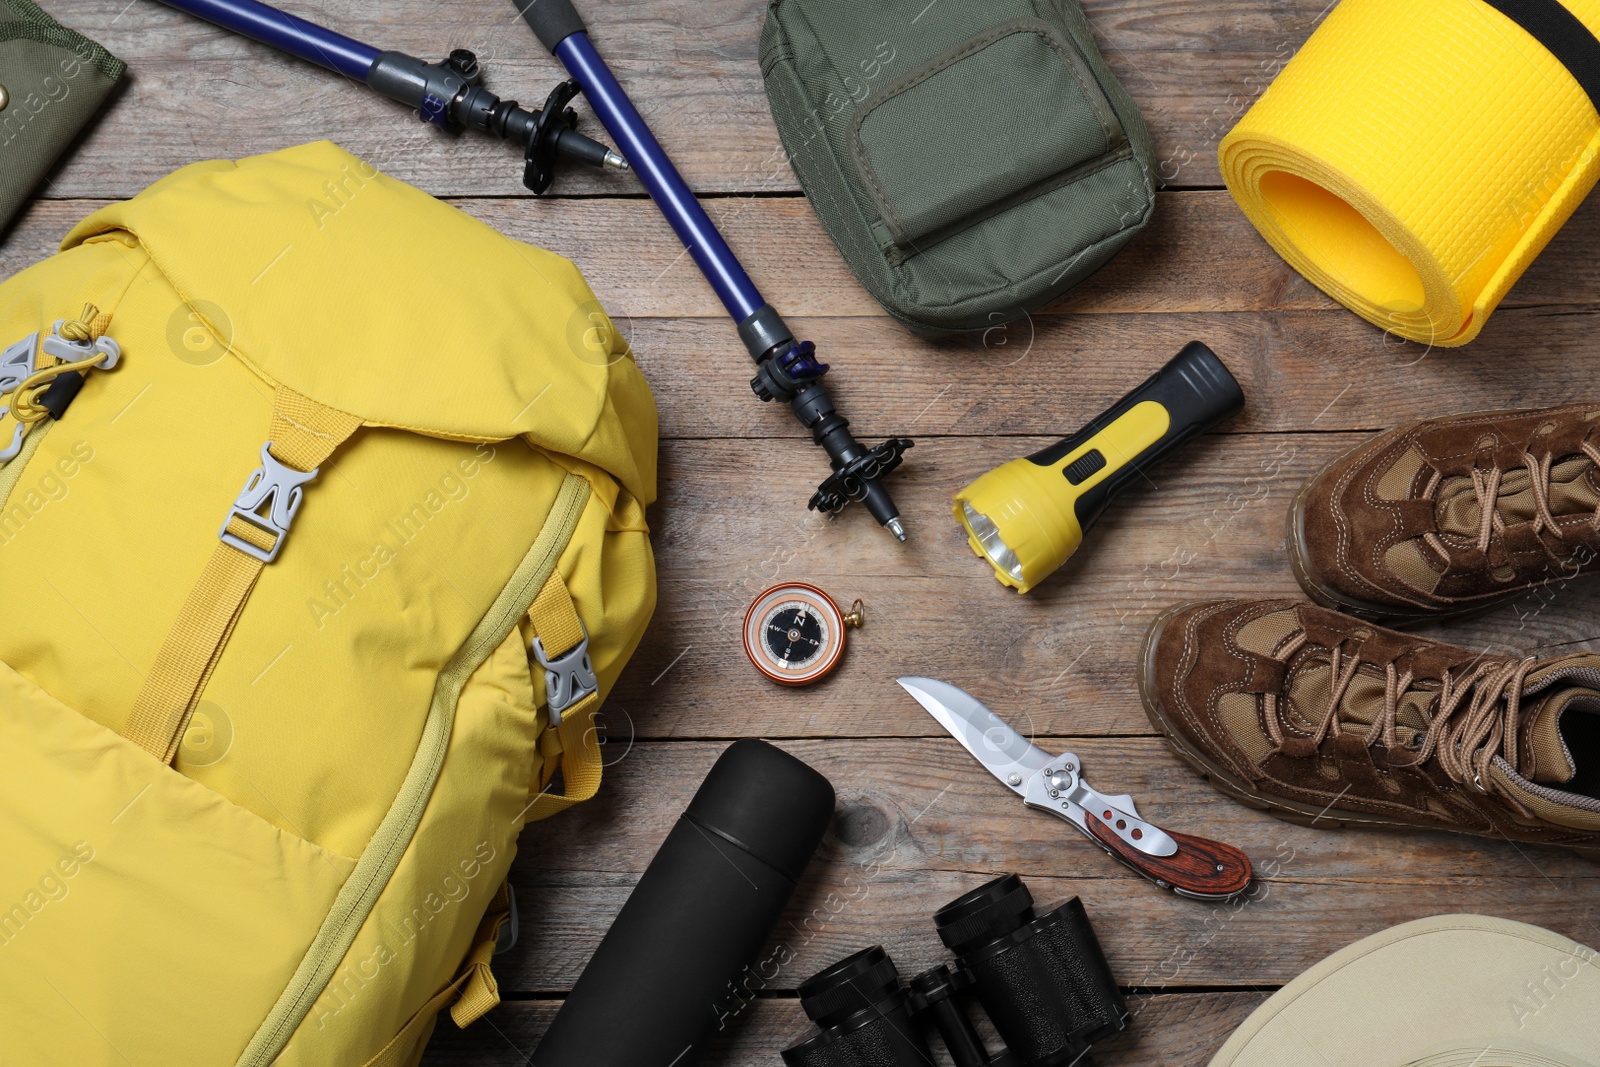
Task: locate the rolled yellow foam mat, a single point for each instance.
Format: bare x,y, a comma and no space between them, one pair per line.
1413,158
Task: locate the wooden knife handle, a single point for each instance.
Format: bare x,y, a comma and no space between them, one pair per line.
1201,867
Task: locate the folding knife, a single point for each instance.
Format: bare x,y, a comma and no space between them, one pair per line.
1189,866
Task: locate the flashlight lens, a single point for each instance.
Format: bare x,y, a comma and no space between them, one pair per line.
989,537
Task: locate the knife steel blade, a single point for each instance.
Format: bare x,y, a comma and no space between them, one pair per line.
1008,755
1016,761
1190,866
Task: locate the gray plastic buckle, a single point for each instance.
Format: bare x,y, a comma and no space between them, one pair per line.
23,357
17,362
14,449
568,678
506,939
75,351
268,502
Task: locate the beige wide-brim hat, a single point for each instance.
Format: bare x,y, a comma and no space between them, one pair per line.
1450,991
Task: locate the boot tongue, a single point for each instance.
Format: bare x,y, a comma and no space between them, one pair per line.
1361,703
1549,760
1571,493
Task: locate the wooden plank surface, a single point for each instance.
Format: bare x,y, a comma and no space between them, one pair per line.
917,822
1304,364
915,828
1210,525
1199,254
1167,1029
691,67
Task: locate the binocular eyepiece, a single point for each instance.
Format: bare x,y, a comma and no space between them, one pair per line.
1043,982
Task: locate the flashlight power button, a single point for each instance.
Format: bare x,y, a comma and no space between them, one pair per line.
1084,465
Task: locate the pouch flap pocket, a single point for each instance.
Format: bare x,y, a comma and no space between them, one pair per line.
982,124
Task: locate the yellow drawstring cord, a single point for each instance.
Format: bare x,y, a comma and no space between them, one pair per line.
82,330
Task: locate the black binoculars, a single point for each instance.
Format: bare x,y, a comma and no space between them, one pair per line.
1043,982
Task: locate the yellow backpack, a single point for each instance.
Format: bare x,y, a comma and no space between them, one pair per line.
265,751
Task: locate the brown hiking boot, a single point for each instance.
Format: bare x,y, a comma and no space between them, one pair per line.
1451,515
1323,719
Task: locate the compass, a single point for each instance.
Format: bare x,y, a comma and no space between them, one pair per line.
794,633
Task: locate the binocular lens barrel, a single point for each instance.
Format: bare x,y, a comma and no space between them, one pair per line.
863,1014
1042,980
858,982
990,911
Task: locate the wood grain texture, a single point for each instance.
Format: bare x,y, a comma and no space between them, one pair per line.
1302,368
917,824
1208,524
1169,1030
1198,255
917,821
197,93
910,805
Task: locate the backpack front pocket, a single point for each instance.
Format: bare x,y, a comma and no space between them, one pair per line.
132,897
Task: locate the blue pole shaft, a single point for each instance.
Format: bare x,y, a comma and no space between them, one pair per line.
660,178
286,33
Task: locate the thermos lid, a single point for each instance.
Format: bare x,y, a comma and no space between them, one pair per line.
769,803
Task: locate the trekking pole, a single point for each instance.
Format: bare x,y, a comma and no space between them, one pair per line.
786,369
448,94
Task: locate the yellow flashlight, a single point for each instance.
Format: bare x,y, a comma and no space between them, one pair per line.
1028,516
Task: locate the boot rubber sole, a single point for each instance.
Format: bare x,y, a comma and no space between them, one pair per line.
1227,783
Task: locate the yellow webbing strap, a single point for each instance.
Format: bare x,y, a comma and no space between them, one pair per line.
479,991
403,1044
574,745
304,433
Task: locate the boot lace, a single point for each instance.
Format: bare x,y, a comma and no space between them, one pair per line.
1474,718
1486,488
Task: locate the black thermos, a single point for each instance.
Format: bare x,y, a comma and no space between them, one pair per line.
664,975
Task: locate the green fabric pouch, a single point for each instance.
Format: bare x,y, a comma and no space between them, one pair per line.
53,81
972,159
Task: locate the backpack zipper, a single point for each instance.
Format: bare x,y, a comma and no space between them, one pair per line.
391,840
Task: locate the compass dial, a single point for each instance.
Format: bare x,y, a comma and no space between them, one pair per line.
794,634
